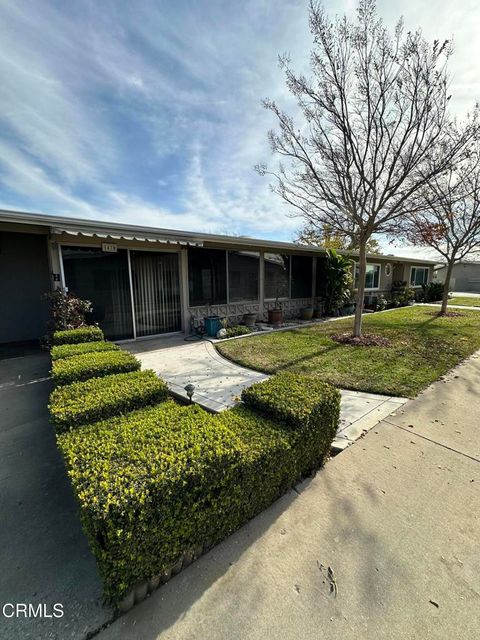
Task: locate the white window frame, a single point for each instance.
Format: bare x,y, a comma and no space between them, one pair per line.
418,286
369,264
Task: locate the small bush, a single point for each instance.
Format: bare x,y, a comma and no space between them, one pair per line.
93,365
69,350
161,481
66,310
74,336
432,292
238,330
100,398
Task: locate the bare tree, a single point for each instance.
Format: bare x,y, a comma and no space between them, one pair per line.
449,220
375,128
329,239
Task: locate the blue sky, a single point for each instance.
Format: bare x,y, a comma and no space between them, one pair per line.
149,112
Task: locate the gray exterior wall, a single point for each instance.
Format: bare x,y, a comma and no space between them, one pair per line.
24,278
465,277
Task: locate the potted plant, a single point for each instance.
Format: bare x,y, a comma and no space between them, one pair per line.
307,313
318,311
249,319
275,315
348,309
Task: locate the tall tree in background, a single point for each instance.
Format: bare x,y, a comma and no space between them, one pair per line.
328,239
375,128
449,220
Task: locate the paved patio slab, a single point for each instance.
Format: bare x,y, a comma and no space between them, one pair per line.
219,383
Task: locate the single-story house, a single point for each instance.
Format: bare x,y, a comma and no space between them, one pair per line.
145,281
465,276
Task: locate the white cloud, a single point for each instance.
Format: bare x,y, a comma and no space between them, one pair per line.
150,112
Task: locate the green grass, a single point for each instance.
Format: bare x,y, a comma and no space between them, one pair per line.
465,301
423,348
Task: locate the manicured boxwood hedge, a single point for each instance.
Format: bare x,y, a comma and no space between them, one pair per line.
68,350
99,398
161,481
92,365
300,401
73,336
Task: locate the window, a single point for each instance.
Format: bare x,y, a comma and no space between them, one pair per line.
277,275
372,276
207,277
418,276
243,276
301,277
103,279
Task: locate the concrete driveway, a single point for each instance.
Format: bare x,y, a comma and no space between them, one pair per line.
382,543
44,556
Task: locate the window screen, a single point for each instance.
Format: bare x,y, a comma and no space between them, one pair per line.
277,275
301,277
207,276
243,274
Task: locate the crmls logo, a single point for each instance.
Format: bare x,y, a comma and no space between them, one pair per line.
24,610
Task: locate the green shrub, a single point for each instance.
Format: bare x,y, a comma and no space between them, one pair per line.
432,292
305,404
238,330
74,336
96,399
158,482
92,365
68,350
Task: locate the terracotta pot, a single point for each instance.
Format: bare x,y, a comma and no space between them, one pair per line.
275,317
307,313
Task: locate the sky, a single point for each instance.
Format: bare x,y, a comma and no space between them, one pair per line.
149,112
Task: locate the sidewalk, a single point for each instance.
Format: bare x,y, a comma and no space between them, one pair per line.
382,543
219,383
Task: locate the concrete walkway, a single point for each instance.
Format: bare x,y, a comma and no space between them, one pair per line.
219,383
44,556
382,543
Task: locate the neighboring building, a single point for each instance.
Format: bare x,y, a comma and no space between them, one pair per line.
465,276
145,281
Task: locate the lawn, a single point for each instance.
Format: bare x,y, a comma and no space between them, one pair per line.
465,301
423,347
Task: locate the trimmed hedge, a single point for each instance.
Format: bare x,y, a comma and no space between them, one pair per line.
305,404
74,336
162,481
68,350
100,398
93,365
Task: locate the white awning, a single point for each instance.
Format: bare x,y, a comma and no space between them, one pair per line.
122,236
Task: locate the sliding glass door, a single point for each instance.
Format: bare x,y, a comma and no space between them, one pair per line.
103,279
156,292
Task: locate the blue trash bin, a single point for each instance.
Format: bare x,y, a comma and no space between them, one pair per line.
212,325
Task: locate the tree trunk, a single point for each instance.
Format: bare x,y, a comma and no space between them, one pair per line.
362,265
448,275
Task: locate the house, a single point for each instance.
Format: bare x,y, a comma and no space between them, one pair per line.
465,276
145,281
